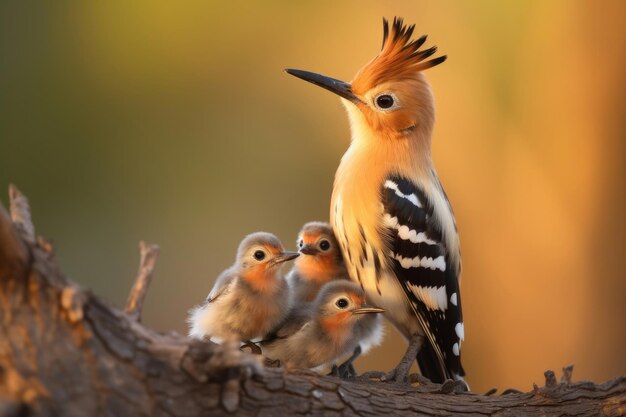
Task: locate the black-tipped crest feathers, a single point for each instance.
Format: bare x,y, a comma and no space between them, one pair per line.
398,29
399,56
401,35
385,32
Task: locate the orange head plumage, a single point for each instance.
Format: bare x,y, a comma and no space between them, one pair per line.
390,93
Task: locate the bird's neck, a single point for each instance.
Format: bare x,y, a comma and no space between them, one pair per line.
262,280
336,328
373,155
319,269
408,149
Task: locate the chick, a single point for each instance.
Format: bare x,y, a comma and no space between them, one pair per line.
321,261
248,299
318,334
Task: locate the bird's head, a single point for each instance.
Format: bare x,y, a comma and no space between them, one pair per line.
389,95
339,305
321,258
260,253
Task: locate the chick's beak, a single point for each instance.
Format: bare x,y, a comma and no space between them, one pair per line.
366,309
309,250
284,257
338,87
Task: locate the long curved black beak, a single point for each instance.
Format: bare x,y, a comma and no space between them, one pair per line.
338,87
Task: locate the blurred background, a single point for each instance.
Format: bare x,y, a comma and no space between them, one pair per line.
175,123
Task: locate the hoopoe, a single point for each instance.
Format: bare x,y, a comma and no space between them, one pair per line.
248,299
320,262
330,328
389,211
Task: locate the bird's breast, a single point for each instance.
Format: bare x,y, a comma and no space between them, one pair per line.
357,216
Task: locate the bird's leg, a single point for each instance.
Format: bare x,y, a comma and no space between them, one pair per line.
346,369
334,371
401,371
350,371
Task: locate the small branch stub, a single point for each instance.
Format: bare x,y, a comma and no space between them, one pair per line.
20,213
12,249
550,378
567,374
149,255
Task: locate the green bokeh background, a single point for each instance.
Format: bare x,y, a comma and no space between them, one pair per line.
173,122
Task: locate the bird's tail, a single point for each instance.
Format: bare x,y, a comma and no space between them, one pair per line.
429,363
429,366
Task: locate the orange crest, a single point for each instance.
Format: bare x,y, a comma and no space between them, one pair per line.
399,58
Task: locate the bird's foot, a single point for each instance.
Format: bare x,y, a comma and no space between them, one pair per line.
419,379
373,376
346,370
343,371
454,386
398,374
461,386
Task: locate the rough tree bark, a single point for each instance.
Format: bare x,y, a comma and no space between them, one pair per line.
63,351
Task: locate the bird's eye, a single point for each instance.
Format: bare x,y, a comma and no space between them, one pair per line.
342,303
324,245
384,101
259,255
300,244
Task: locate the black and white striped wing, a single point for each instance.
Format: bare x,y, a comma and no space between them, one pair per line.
428,274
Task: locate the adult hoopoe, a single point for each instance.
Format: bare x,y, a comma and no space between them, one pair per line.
389,211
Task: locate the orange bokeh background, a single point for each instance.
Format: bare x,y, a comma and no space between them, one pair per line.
174,123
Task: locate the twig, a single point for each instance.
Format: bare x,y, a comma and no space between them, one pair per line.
509,391
134,305
550,378
20,213
12,248
567,373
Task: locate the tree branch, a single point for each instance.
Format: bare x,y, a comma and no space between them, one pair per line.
63,351
149,255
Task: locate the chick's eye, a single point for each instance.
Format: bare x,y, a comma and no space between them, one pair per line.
259,255
342,303
324,245
300,244
384,101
